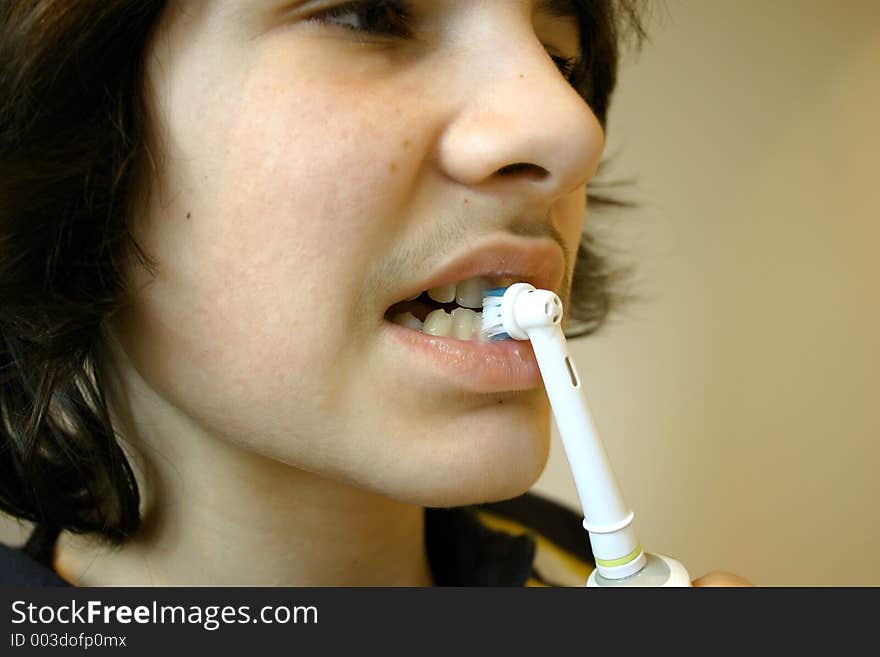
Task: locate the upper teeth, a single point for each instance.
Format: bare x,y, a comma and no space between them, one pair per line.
464,323
468,293
443,294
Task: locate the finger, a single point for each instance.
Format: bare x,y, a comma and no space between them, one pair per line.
719,578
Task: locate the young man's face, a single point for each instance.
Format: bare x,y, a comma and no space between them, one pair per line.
315,175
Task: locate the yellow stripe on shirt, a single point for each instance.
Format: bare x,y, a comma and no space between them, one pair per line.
555,564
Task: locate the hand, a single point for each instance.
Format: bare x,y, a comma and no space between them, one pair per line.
721,578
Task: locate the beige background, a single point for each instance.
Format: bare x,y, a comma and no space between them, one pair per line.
740,402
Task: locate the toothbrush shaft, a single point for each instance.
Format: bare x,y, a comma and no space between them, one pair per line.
594,479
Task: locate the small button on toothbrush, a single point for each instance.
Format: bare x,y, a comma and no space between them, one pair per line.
522,312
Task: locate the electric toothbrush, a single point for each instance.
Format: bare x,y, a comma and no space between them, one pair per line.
522,312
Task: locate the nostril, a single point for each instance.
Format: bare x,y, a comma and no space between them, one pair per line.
532,170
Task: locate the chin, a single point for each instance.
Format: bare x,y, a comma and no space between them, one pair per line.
482,468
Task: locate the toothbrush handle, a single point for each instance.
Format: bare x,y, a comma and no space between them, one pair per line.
659,570
607,518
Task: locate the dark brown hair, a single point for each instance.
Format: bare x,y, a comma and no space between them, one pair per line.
74,148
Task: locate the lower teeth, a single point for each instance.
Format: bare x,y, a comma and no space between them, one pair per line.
408,320
462,324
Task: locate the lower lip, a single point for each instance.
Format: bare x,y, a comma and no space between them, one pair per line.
478,367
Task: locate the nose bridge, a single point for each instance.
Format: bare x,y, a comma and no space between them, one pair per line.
516,120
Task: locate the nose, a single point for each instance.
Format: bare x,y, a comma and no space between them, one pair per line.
519,127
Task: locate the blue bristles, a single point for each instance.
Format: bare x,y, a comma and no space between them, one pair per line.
492,328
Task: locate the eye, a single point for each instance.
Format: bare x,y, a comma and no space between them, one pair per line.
385,18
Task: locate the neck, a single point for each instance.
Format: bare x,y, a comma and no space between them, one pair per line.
257,523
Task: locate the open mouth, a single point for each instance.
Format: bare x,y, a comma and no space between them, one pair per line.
433,334
450,311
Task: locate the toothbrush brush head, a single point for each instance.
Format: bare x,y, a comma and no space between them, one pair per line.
510,312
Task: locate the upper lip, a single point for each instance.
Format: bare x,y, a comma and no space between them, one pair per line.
537,261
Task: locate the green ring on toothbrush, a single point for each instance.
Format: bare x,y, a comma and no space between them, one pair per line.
611,563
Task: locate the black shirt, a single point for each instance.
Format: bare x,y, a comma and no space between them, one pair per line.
526,541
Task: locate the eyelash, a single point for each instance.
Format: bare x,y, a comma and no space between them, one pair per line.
370,10
567,66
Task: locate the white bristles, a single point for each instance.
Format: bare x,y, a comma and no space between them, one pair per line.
492,325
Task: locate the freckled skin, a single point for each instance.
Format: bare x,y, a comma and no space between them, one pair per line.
268,410
280,437
296,216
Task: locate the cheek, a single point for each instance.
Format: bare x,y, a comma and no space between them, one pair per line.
326,156
317,186
265,238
